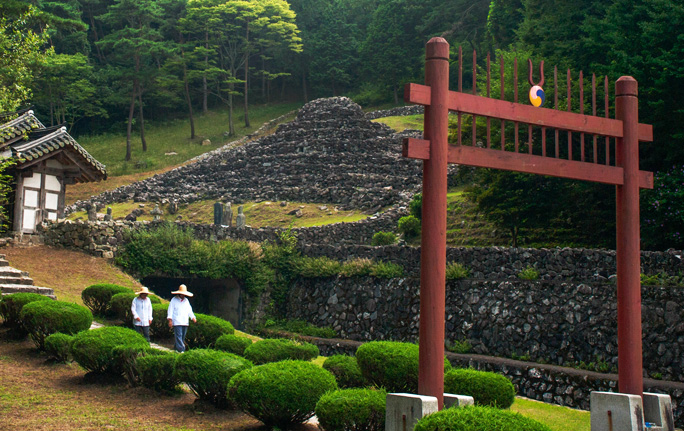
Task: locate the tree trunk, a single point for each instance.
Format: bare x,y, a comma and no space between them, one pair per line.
263,78
187,98
204,76
247,77
396,94
129,128
231,125
97,47
52,108
514,234
306,94
142,120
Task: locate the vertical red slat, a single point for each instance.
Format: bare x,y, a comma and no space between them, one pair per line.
581,111
489,79
593,112
503,123
607,114
460,88
569,84
515,100
474,137
555,106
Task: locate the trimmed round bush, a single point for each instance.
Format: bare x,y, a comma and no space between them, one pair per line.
98,296
120,306
352,410
346,371
477,418
280,349
10,310
124,359
58,346
487,389
391,365
160,326
383,238
409,226
94,349
281,393
204,333
207,372
231,343
42,318
156,372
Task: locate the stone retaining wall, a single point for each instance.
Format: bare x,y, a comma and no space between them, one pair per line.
396,112
545,321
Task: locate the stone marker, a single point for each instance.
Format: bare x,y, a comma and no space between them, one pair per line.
173,207
403,411
240,221
92,213
228,215
156,212
451,400
218,213
108,216
612,411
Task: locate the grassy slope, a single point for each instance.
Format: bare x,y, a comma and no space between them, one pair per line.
258,214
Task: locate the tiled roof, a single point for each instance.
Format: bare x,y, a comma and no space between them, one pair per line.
20,126
33,149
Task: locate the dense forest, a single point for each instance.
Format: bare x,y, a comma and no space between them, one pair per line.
102,65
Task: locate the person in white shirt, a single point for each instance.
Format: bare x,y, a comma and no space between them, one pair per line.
142,312
179,316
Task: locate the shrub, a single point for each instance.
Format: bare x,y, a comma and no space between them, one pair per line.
346,371
160,326
281,393
120,306
58,346
456,271
528,273
352,410
487,389
10,310
207,372
204,333
232,344
279,349
124,360
156,372
474,418
391,365
383,238
409,226
98,296
42,318
94,349
312,267
459,346
416,206
305,328
358,267
387,270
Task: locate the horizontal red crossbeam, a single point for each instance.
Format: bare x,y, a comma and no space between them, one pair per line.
519,162
509,111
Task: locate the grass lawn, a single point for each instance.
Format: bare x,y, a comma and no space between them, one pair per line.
169,143
400,123
556,417
258,214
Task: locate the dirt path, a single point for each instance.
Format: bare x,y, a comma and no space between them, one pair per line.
38,395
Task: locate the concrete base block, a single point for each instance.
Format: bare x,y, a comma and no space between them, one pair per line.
616,412
403,411
658,412
451,400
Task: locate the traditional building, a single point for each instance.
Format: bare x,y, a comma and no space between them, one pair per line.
47,159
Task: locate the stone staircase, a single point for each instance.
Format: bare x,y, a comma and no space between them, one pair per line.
13,280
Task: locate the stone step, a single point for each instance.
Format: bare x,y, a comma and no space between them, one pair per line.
8,271
17,288
25,281
3,262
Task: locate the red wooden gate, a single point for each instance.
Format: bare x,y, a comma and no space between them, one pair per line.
436,153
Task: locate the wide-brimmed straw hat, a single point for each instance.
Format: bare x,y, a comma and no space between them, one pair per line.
182,290
143,290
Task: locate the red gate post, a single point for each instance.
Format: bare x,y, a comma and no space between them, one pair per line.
433,242
630,368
